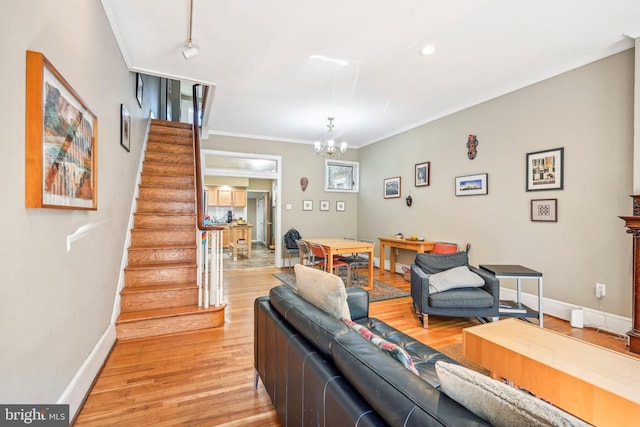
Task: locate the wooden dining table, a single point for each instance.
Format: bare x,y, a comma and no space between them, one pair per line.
340,246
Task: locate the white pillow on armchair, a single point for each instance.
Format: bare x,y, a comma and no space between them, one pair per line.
457,277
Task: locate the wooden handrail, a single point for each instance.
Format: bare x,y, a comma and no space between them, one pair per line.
196,153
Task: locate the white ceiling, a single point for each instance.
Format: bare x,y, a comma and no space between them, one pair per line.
258,54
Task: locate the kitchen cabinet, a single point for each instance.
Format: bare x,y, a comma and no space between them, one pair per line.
227,197
239,198
224,197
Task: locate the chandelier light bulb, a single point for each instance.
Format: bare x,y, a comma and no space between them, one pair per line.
329,148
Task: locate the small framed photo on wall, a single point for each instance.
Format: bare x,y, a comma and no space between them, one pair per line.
392,187
472,185
423,175
341,206
307,205
544,210
324,205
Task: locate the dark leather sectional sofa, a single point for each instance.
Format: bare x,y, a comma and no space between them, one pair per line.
320,372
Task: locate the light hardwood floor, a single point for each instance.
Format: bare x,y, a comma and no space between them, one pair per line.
206,378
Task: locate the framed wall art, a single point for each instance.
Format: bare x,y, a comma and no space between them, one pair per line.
544,210
324,205
423,174
139,89
392,187
472,185
545,170
341,206
307,205
125,128
61,141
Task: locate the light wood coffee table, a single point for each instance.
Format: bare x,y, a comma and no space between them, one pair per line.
596,384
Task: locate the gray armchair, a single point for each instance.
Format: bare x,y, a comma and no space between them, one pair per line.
481,302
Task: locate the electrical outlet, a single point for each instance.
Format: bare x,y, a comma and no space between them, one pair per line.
600,290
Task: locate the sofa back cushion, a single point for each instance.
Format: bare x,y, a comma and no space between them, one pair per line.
314,324
435,263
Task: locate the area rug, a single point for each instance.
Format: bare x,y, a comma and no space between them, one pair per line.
454,351
381,291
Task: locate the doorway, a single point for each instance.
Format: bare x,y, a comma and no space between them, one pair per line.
258,166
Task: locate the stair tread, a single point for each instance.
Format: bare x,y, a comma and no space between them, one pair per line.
171,124
161,265
157,313
161,229
178,214
161,246
158,288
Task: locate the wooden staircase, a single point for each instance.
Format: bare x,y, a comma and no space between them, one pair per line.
160,294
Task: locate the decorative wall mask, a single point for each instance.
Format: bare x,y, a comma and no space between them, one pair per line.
472,147
304,182
409,200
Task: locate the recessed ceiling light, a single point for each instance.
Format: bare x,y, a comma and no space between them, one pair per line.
428,50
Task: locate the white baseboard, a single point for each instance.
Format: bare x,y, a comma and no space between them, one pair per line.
609,322
82,381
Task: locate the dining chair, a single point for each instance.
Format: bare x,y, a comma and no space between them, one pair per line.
289,247
357,260
305,253
320,256
447,248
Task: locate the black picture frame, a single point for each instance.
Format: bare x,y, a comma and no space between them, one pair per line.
545,170
139,89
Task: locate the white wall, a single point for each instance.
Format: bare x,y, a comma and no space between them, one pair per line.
589,112
55,304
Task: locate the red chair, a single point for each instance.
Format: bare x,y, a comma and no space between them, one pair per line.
320,257
447,248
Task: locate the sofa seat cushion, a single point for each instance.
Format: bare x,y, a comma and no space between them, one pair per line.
461,298
324,290
499,403
398,396
457,277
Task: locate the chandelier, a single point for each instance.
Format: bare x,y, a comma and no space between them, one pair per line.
329,147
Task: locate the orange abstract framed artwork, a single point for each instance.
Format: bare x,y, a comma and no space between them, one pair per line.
61,141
